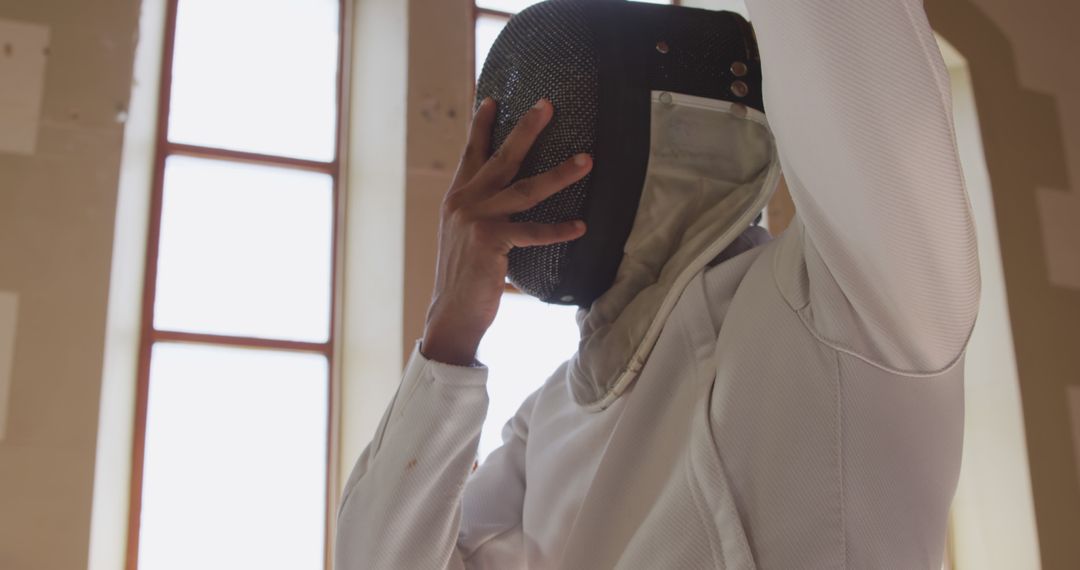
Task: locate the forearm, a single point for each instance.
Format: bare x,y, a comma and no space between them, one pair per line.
406,489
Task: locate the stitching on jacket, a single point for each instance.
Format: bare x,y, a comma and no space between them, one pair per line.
776,264
373,449
716,545
408,382
944,89
880,366
800,312
479,547
414,385
727,497
937,66
840,458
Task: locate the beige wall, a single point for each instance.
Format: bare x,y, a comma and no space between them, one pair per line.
1021,57
56,230
999,534
439,105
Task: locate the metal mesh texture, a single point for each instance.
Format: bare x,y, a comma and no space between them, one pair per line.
561,50
545,51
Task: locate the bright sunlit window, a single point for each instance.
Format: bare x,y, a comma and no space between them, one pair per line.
244,250
256,76
527,342
231,451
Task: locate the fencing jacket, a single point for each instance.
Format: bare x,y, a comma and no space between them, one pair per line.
801,405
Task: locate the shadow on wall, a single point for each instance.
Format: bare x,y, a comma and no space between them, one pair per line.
1025,156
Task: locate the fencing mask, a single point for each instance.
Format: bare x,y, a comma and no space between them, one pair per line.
602,64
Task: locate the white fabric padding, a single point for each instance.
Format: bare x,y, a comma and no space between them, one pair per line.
712,168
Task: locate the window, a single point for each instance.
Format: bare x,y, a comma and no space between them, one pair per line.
527,342
231,445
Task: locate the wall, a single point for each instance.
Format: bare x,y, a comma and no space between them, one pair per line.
992,513
1028,96
56,232
439,106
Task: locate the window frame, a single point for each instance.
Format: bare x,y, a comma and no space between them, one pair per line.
149,335
477,11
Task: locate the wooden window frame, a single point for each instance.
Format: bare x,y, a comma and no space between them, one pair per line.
477,11
149,335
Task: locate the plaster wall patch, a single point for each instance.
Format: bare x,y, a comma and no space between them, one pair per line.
1059,215
1072,394
23,52
1073,397
9,308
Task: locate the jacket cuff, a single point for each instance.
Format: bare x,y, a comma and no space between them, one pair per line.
475,375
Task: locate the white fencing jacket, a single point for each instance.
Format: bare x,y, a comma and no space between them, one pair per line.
796,405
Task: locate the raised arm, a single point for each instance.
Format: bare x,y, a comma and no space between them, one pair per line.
882,260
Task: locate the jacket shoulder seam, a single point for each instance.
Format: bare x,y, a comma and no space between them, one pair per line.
895,371
800,311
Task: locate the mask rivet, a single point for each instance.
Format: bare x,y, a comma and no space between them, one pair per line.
739,110
739,69
665,98
740,89
566,298
662,47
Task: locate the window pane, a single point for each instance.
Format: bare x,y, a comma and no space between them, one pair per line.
488,26
487,29
235,461
245,250
515,6
256,75
738,6
511,6
526,343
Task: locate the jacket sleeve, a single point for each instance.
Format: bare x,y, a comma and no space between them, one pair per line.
881,260
402,505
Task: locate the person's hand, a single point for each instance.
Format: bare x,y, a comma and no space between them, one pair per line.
475,231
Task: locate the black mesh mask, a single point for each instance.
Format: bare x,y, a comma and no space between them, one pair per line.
598,61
